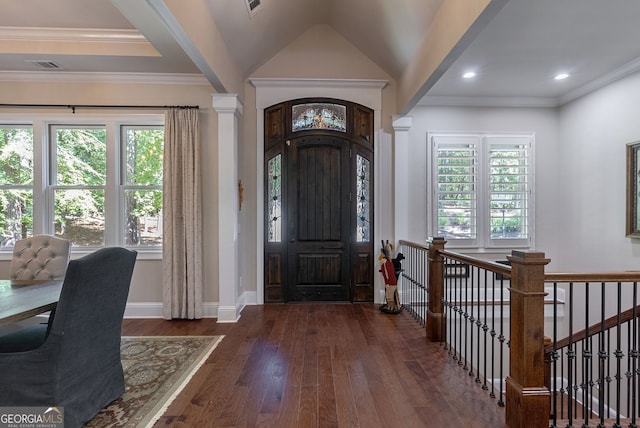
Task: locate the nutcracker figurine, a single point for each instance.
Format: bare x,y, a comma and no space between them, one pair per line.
390,269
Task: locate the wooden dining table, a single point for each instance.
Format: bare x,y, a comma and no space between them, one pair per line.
23,299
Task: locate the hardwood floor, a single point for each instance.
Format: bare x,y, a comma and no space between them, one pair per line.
323,365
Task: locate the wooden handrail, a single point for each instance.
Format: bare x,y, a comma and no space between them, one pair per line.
609,323
625,276
499,268
413,244
584,279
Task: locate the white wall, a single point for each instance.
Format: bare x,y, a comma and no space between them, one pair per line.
146,286
593,133
580,188
319,54
580,160
541,121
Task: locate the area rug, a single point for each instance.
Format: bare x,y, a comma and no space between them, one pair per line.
156,369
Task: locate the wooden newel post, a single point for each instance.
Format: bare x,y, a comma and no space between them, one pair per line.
435,312
527,397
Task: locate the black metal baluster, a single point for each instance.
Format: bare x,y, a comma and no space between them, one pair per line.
634,356
417,286
554,359
465,315
501,339
421,297
602,355
562,389
445,308
618,353
411,270
478,326
586,358
462,325
458,281
415,282
628,373
570,357
493,333
454,312
608,376
475,271
451,318
590,383
485,328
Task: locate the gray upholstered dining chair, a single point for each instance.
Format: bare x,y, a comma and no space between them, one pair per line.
40,257
76,364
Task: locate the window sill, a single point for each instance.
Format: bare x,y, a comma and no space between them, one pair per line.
77,252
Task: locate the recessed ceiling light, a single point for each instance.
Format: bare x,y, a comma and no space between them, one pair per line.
561,76
469,74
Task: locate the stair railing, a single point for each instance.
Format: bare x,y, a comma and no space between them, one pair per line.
592,354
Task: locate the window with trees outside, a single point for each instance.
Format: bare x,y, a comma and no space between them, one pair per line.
97,184
482,195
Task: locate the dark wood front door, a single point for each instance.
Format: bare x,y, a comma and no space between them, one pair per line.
319,224
318,204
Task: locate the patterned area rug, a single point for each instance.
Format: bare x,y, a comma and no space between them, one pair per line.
156,369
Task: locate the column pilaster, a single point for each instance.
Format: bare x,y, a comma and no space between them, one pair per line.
229,109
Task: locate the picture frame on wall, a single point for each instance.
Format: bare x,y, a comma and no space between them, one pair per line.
633,190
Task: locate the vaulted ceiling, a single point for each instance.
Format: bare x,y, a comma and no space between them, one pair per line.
515,48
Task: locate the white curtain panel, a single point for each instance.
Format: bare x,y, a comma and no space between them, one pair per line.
182,240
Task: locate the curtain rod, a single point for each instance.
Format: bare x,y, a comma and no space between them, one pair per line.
73,107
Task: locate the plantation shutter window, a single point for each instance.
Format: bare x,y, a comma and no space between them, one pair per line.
508,188
482,189
456,188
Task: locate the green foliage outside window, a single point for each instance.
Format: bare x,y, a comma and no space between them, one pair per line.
143,178
81,155
16,182
456,193
79,176
463,191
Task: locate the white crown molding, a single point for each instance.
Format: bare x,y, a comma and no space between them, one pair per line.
401,123
78,77
604,80
430,100
317,83
71,34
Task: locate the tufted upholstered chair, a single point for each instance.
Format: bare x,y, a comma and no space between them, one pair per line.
40,257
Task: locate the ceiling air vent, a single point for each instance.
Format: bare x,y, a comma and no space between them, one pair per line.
43,65
253,6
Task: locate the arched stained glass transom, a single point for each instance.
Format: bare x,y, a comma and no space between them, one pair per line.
318,116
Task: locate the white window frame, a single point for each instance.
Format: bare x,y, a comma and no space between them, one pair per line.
124,185
43,221
483,240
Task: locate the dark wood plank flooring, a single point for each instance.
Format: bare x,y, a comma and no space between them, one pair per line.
323,365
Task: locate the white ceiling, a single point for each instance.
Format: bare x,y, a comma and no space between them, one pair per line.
387,31
515,56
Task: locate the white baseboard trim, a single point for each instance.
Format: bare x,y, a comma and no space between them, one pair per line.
250,298
154,310
209,309
231,314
